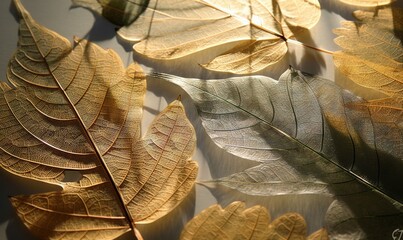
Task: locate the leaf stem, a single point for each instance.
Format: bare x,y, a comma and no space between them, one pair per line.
308,46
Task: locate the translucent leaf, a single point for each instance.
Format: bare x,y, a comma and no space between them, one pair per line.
309,137
77,109
174,28
372,54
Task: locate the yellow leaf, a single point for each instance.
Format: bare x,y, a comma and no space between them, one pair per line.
75,108
290,226
236,222
233,222
321,234
249,57
372,51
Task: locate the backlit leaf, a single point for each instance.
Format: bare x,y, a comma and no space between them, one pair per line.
172,29
372,54
309,137
75,108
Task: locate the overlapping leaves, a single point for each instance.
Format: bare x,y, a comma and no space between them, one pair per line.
305,140
77,109
173,29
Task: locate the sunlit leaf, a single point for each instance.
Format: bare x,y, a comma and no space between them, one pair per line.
77,109
172,29
236,222
372,54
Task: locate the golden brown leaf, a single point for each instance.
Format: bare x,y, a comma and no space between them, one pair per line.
77,109
372,50
236,222
233,222
290,226
172,29
321,234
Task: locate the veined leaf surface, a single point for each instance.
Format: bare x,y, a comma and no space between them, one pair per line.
172,29
310,137
372,50
237,222
77,109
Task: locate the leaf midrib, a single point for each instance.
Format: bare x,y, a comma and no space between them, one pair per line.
28,19
359,178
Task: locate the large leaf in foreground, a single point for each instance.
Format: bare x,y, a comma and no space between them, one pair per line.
236,222
77,109
307,142
260,119
172,29
372,54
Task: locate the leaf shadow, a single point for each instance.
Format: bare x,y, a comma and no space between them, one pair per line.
16,230
13,11
398,20
311,59
12,185
339,8
101,30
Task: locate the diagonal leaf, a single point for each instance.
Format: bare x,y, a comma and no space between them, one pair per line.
307,142
77,109
372,50
260,28
299,117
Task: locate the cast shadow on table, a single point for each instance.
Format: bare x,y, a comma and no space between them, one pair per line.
12,185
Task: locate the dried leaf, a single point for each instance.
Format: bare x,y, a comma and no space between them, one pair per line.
372,50
236,222
77,109
119,12
367,3
321,234
293,127
173,29
298,117
288,227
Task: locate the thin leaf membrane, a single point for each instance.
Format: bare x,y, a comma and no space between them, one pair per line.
75,108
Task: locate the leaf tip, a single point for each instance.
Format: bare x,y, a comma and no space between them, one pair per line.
20,8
